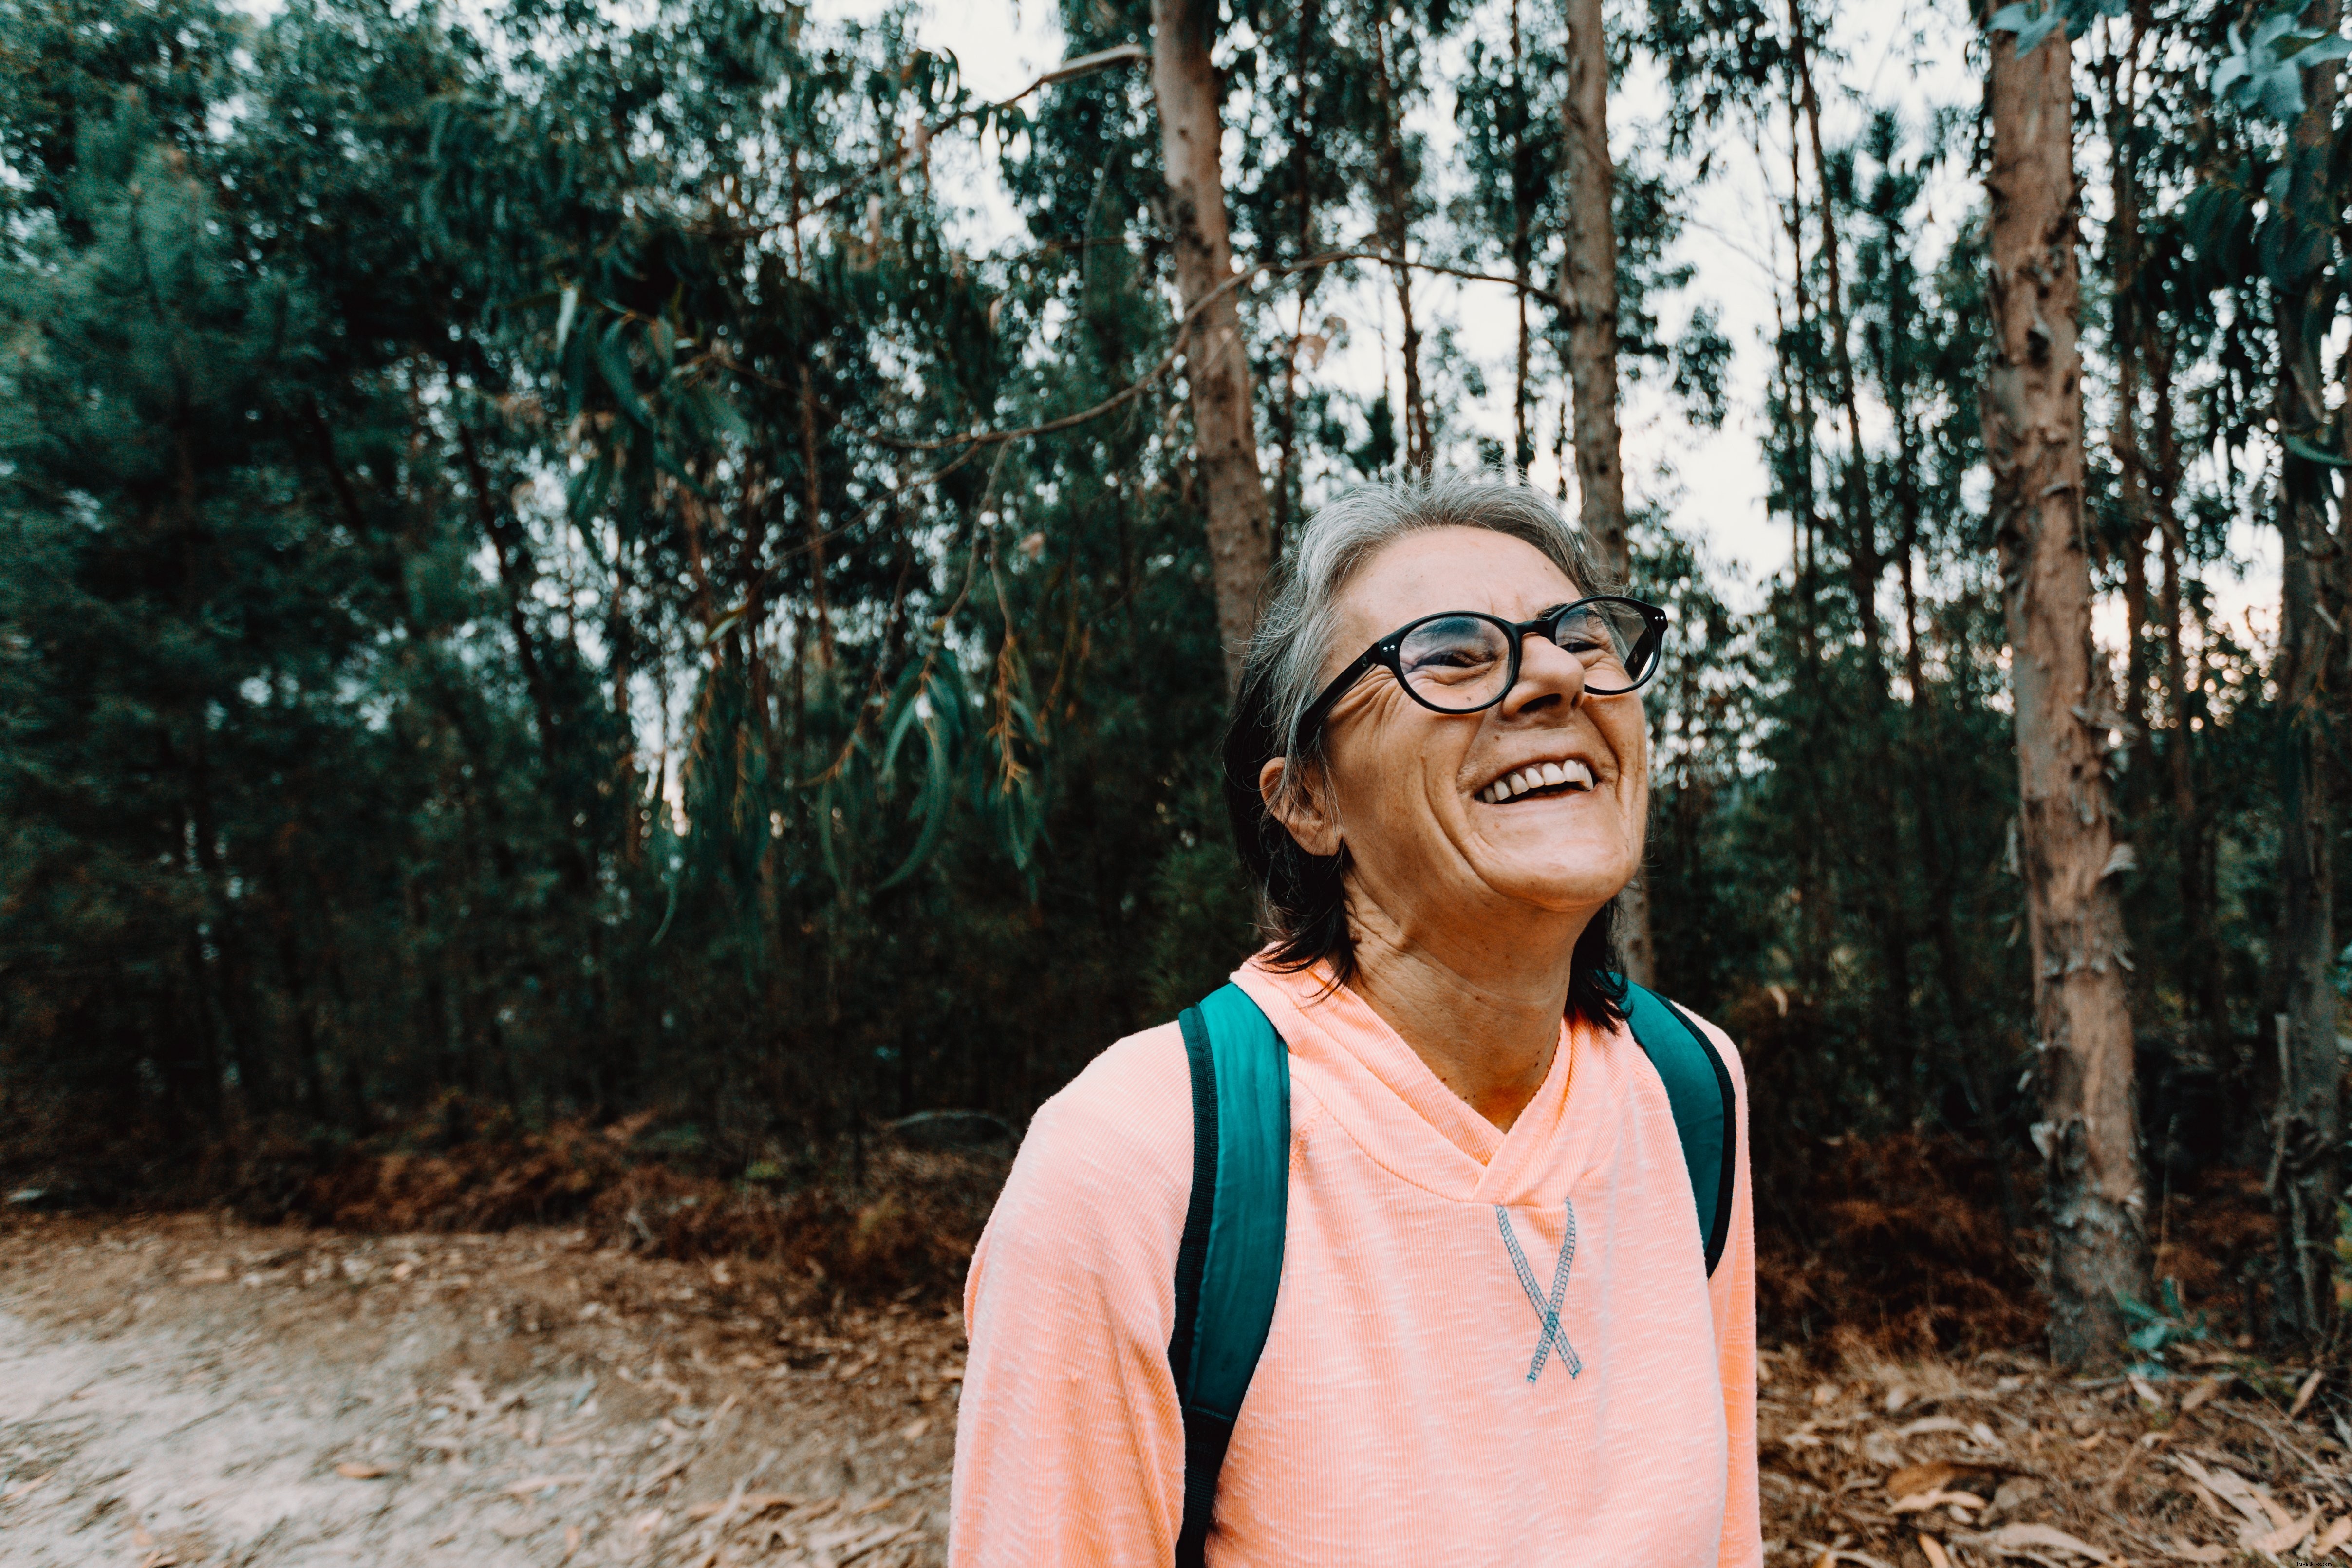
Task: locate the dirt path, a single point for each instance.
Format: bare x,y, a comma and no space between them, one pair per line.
178,1392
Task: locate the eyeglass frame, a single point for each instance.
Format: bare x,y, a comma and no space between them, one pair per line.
1389,654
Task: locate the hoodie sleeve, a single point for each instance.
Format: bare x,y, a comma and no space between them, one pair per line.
1732,1295
1069,1444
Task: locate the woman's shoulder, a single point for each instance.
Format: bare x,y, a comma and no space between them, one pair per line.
1724,1047
1120,1135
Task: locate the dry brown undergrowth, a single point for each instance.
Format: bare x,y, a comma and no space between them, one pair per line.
2001,1459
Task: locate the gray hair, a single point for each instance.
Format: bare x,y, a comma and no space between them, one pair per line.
1301,615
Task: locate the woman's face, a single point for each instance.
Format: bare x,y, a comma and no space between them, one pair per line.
1411,793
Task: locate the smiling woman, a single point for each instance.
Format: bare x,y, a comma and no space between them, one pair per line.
1438,771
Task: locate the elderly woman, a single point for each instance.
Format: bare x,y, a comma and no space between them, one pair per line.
1481,1317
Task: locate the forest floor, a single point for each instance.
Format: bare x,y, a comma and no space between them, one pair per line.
190,1390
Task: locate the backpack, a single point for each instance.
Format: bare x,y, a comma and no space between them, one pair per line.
1229,1263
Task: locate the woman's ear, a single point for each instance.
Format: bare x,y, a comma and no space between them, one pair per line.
1299,804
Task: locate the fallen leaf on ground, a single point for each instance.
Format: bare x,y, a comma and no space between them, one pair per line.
2303,1395
666,1472
2334,1536
351,1469
1926,1424
540,1483
2205,1389
1934,1549
2187,1553
2020,1537
2231,1486
888,1534
571,1544
1918,1503
914,1429
2287,1536
1939,1475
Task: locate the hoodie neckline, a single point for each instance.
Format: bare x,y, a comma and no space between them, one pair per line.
1401,1112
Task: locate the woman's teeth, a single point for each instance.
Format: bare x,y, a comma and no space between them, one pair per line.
1536,776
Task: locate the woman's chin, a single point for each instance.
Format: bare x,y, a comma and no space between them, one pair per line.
1559,879
1563,851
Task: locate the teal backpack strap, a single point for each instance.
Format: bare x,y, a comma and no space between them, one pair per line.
1699,1087
1229,1263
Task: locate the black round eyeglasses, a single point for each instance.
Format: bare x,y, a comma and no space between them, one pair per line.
1465,661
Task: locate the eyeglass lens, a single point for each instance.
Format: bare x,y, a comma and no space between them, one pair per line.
1606,637
1458,663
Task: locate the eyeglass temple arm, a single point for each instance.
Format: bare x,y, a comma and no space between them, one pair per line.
1322,705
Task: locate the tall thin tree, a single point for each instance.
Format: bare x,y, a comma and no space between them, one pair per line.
2031,405
2305,1181
1589,285
1216,361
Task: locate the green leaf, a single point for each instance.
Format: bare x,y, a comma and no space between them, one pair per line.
715,412
564,315
2312,454
613,358
721,626
827,854
932,804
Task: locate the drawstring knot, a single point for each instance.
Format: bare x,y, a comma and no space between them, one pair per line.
1547,1309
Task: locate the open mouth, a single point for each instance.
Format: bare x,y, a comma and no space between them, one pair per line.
1537,779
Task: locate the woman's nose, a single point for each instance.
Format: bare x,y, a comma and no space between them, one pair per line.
1548,673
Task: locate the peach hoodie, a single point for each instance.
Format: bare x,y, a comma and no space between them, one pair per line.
1391,1420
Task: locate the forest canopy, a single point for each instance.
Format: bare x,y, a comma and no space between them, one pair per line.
548,569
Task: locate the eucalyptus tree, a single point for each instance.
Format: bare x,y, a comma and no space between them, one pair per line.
1217,370
2089,1134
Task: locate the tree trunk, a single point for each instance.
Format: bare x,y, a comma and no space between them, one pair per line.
1523,201
1589,283
2131,460
1863,566
1795,363
1396,237
1302,197
2307,1122
1216,361
2193,828
2032,407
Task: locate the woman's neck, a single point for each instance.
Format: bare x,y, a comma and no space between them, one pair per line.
1487,1022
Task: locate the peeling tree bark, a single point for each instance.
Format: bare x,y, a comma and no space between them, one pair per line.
1216,365
2031,405
1589,282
